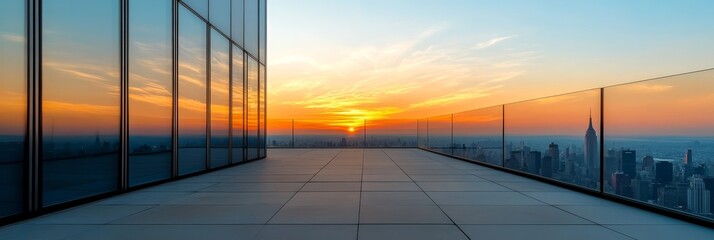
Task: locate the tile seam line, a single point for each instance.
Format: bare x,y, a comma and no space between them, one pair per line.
427,195
361,186
548,204
303,186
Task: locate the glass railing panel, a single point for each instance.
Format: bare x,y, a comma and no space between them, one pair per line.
478,135
439,136
321,134
392,133
280,133
555,137
422,133
659,142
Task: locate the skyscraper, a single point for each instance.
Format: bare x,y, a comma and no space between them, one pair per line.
554,154
534,162
592,159
546,168
709,185
688,164
627,164
688,158
648,163
663,172
698,197
621,183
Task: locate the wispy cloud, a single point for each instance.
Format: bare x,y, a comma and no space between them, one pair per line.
651,88
491,42
417,72
16,38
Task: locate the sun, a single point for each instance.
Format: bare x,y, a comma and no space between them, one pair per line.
351,129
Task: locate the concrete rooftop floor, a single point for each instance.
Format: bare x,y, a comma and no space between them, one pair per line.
354,194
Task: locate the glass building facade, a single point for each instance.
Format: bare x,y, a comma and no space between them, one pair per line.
104,96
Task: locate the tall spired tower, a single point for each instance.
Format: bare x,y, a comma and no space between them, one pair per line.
592,158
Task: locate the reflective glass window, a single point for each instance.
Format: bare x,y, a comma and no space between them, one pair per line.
13,85
200,6
150,91
80,99
220,15
263,31
238,116
237,21
192,93
263,117
252,109
220,99
251,26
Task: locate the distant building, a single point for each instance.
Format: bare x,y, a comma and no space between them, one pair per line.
620,182
688,158
648,163
592,159
554,154
546,167
709,186
642,189
628,164
667,196
612,160
343,142
534,162
698,197
512,162
688,163
664,172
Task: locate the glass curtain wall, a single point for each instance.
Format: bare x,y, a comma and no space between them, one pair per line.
199,6
250,27
220,99
220,15
252,109
122,93
80,99
150,91
191,93
262,35
13,88
237,21
262,116
238,113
